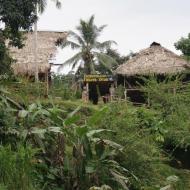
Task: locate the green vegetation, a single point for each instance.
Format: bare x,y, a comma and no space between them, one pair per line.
61,144
22,17
68,156
184,45
41,4
5,63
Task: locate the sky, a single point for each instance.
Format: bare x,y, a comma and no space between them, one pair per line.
133,24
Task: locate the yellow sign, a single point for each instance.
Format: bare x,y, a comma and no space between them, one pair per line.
98,78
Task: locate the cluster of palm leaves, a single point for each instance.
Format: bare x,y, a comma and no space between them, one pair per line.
41,4
91,52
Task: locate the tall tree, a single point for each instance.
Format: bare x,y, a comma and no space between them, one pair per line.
40,8
14,16
90,51
184,46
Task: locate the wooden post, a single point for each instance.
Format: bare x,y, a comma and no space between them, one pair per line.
125,94
148,99
47,83
87,90
36,47
125,91
124,82
174,91
112,92
115,82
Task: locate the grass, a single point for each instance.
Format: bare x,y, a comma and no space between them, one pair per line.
16,167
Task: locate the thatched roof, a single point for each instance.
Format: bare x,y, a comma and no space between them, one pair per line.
25,64
153,60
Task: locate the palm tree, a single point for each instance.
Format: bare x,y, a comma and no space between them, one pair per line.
41,5
91,51
40,8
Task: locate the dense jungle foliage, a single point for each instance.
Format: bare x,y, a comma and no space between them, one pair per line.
60,143
56,143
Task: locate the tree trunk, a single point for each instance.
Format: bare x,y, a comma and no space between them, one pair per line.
36,47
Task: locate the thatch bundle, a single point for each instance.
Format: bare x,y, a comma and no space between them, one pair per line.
153,60
25,60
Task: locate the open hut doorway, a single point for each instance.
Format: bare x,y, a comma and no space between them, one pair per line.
99,90
98,87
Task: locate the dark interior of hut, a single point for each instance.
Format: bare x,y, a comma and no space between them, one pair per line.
100,89
42,77
133,85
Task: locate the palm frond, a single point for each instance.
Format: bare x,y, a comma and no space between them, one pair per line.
58,3
72,61
104,45
84,31
98,30
88,30
41,5
91,21
81,27
75,64
77,37
62,42
106,60
101,28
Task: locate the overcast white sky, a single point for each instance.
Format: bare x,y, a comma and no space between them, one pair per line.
133,24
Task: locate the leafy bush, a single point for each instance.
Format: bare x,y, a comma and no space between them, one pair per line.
173,107
143,133
17,167
65,87
69,156
119,145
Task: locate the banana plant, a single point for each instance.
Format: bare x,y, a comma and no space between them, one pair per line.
93,159
4,99
76,155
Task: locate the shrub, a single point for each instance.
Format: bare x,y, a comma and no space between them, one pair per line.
17,167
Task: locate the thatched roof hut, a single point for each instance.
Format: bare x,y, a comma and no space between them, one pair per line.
25,64
153,60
